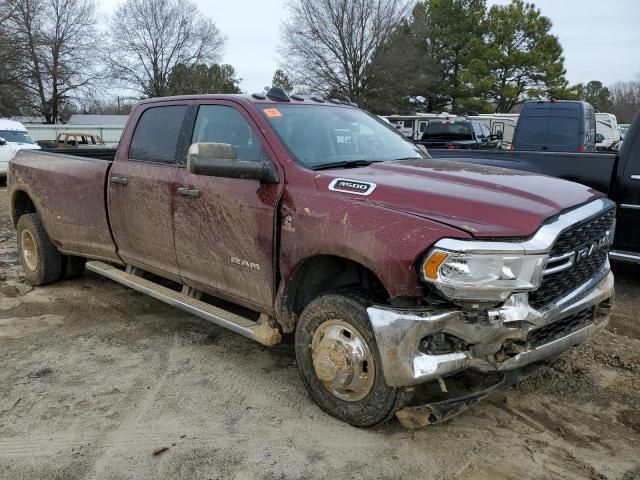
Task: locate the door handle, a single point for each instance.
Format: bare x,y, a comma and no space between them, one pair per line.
188,192
120,180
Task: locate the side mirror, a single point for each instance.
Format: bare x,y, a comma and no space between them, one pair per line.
599,138
496,136
221,160
423,149
3,142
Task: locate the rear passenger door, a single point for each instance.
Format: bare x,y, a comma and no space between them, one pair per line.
141,187
224,226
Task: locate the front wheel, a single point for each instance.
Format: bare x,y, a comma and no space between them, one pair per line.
339,362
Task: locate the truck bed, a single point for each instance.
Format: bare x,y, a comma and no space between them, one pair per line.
593,169
98,153
69,192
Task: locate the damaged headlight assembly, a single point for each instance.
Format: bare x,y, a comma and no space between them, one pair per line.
478,273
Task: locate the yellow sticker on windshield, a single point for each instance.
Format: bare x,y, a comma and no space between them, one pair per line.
272,112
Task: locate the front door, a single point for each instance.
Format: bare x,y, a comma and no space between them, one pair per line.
141,191
627,236
223,227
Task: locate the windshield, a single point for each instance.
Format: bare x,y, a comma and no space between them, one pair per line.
16,136
319,135
448,131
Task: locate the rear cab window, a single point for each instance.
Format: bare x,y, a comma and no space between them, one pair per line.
448,130
157,133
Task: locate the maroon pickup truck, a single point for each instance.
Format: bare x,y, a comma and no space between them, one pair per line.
279,216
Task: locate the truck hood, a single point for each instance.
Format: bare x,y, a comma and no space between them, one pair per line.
484,201
16,147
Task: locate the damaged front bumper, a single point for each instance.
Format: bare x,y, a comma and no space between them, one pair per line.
507,338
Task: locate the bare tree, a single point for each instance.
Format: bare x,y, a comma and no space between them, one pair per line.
625,100
56,43
327,44
150,37
10,95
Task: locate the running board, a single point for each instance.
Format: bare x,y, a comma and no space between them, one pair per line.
624,256
262,332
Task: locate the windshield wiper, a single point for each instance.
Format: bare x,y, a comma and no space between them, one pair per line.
346,163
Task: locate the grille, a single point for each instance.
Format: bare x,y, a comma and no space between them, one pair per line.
561,328
583,233
557,285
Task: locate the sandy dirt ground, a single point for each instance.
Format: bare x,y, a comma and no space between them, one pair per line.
95,378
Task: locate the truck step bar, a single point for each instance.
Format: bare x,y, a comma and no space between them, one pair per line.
624,256
261,331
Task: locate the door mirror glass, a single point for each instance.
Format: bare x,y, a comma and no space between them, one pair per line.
221,160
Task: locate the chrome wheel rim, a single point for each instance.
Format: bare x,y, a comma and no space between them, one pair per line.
342,360
29,250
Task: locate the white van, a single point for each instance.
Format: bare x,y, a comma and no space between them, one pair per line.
13,137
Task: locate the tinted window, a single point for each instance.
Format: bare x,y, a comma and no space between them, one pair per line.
448,131
485,130
563,132
219,124
532,130
157,133
477,130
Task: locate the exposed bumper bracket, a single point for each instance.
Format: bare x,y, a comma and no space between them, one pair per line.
423,415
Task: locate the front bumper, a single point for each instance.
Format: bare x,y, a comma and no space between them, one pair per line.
399,333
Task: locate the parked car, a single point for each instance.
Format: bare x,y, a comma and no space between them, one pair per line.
78,140
556,126
616,175
386,268
13,137
458,132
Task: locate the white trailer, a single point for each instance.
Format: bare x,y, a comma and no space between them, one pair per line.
413,126
500,122
607,126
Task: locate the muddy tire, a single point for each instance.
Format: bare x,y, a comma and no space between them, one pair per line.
41,261
347,385
72,267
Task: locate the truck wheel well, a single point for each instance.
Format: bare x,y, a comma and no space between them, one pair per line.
22,205
325,273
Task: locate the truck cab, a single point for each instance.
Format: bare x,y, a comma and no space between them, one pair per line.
13,138
458,133
78,140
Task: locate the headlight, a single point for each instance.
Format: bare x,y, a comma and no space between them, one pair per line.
482,277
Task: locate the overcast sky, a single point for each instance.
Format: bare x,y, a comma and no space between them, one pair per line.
601,39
